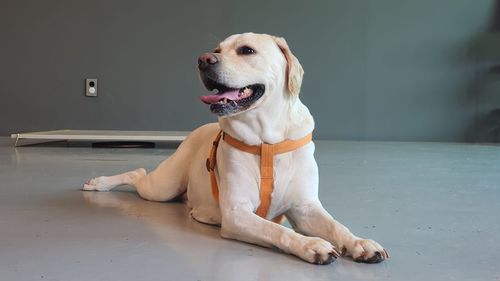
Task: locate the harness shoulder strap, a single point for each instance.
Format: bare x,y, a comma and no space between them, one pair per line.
266,179
211,162
266,152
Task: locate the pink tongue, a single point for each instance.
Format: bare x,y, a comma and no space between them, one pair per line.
210,99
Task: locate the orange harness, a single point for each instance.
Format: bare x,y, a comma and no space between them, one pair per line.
266,152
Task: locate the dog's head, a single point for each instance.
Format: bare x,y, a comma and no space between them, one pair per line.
246,71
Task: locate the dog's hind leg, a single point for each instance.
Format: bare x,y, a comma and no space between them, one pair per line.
167,181
170,179
164,183
108,183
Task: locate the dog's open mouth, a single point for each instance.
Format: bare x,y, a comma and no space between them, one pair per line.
231,100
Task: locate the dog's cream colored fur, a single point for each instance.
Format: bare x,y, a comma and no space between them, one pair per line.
277,116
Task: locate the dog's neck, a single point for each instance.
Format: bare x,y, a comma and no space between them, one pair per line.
270,122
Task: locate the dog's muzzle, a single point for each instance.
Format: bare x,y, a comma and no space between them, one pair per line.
226,100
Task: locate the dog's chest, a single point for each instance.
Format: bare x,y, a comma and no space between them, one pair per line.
284,171
242,171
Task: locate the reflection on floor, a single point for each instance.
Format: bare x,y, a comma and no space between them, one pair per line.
435,206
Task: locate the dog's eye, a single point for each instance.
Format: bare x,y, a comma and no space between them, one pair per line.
245,50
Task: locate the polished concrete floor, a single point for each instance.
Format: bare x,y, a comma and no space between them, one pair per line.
435,206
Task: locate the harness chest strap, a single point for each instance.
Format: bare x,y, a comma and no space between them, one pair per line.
266,152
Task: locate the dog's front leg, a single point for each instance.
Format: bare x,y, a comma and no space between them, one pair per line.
313,220
239,222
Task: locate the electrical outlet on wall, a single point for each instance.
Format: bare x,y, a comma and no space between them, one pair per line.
91,87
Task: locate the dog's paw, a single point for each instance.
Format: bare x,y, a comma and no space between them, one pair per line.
318,251
367,251
96,184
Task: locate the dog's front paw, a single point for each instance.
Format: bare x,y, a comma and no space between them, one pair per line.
318,251
367,251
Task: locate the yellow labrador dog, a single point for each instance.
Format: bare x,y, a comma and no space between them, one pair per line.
257,80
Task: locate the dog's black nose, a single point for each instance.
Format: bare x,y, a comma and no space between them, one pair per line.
206,60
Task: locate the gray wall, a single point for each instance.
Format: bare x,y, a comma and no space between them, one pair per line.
375,70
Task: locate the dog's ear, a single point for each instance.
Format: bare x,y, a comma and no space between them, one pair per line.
294,71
